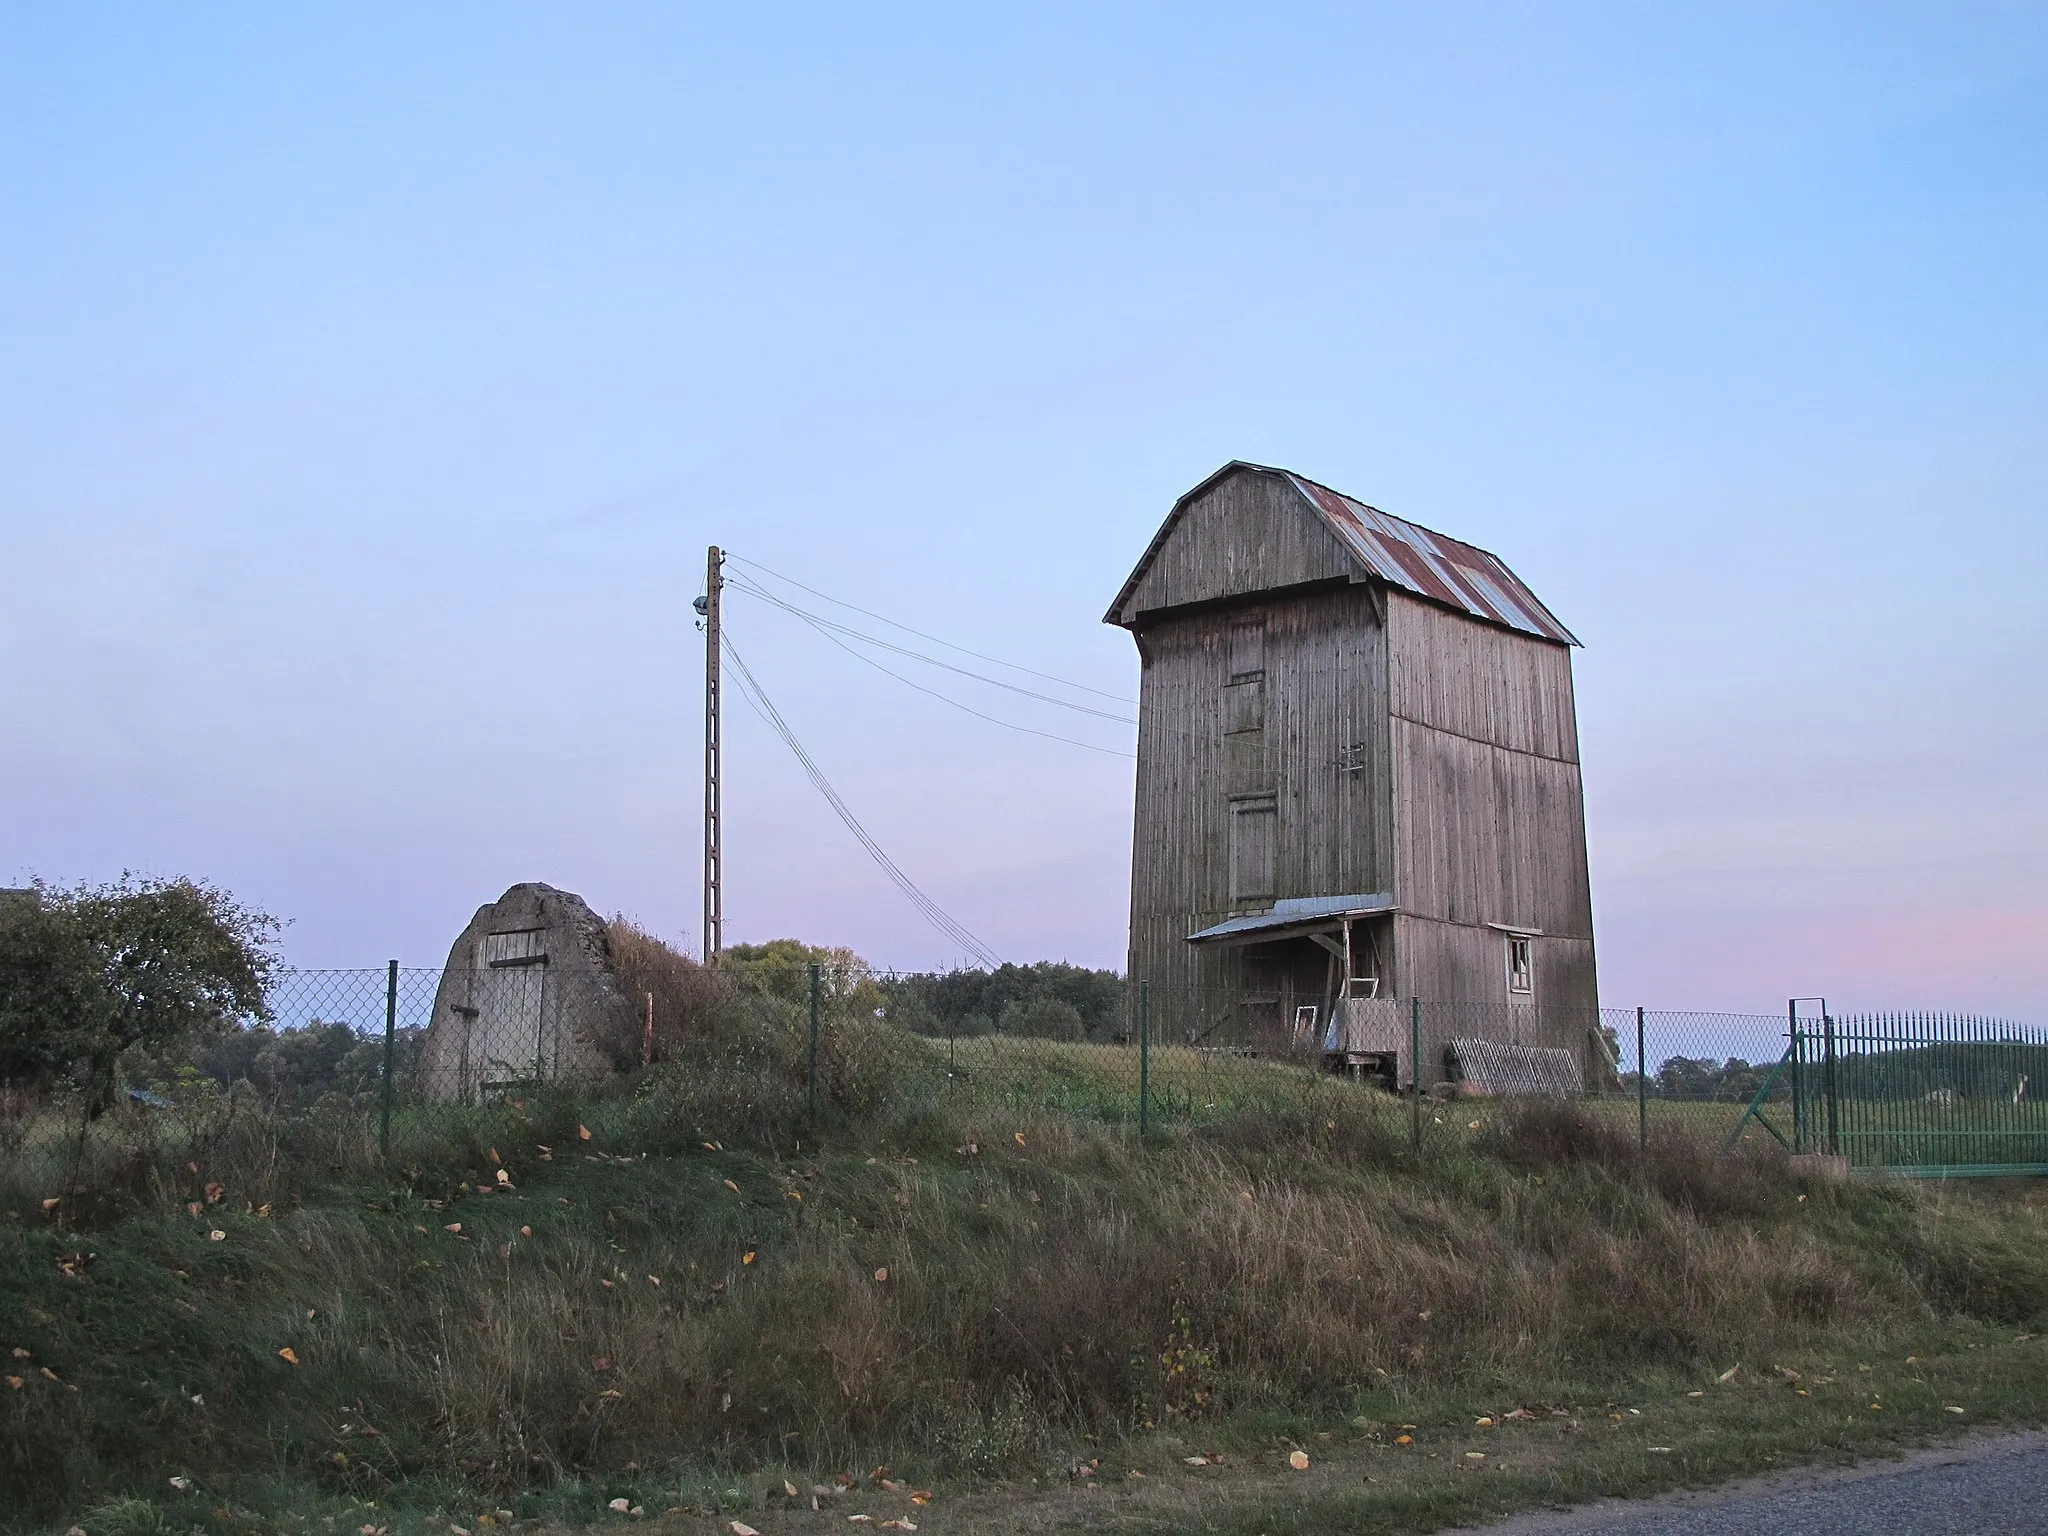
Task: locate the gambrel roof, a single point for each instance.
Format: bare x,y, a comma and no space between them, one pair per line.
1384,548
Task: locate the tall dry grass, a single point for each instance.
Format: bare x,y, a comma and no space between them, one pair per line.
930,1279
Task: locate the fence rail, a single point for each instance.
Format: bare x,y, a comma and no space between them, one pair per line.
350,1052
1919,1093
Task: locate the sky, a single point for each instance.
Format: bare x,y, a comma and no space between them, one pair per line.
373,379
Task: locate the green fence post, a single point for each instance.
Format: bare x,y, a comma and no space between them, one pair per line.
1642,1089
1828,1086
1415,1072
812,1081
1797,1045
1144,1057
390,1055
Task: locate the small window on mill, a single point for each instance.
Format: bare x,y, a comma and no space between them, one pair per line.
1521,965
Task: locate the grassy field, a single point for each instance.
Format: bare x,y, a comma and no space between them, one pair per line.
690,1295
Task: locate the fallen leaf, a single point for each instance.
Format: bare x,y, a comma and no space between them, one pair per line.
789,1488
1020,1138
655,1281
19,1353
601,1364
14,1382
504,1177
1695,1394
49,1373
583,1133
215,1194
1475,1455
1404,1439
1946,1407
53,1202
1728,1375
1484,1421
747,1257
1298,1460
741,1528
1195,1461
732,1186
921,1496
1661,1450
288,1355
216,1236
882,1273
194,1208
453,1226
619,1506
182,1484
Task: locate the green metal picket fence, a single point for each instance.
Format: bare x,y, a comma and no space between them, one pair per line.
1930,1095
1924,1093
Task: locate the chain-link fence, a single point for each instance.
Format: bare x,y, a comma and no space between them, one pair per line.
365,1060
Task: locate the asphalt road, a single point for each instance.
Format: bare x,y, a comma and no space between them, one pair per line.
1979,1487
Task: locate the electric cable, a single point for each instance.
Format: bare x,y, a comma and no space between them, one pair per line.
949,645
943,698
932,912
754,589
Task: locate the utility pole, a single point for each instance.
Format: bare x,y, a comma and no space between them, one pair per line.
714,816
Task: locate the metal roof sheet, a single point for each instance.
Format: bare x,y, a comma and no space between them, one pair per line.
1294,912
1442,569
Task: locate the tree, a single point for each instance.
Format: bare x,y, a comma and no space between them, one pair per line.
783,967
92,972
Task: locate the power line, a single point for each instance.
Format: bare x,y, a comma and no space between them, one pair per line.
949,645
818,621
1008,725
933,913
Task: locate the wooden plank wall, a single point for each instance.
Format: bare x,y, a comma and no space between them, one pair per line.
1489,815
1319,748
1250,532
1405,748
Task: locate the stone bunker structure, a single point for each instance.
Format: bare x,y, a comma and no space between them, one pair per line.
528,994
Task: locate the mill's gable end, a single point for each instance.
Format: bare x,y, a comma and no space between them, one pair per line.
1245,532
1250,531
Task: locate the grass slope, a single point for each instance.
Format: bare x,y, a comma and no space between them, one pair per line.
711,1297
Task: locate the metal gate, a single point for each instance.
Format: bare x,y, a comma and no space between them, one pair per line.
1933,1095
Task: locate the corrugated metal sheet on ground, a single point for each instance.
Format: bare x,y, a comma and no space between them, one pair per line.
1490,1066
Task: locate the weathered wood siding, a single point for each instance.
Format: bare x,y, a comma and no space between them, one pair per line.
1307,731
1248,533
1489,816
1303,742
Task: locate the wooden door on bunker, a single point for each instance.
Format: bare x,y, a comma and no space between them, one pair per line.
511,999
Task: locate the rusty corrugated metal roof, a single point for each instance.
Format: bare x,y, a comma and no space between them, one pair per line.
1444,569
1393,550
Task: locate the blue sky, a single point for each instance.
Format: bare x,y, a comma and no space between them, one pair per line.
372,379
